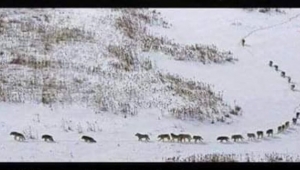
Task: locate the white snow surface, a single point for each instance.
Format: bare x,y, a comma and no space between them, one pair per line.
265,97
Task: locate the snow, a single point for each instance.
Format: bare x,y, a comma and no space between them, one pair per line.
265,97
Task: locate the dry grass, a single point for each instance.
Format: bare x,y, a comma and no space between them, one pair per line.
215,157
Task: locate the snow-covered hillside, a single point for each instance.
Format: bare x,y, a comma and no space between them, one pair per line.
180,66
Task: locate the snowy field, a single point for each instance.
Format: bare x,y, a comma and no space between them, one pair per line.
266,98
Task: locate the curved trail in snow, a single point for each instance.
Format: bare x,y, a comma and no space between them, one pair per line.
271,26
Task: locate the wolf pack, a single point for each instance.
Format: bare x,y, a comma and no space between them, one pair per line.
236,137
196,138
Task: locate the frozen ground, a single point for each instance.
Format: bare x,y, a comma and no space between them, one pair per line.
265,97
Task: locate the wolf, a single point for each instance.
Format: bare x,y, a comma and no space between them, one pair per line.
48,138
270,63
18,136
163,137
142,136
260,134
221,138
88,139
279,129
283,127
197,138
173,136
251,135
294,121
289,79
185,136
243,42
293,87
287,124
270,132
237,137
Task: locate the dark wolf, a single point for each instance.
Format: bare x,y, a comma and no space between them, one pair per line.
88,139
294,121
163,137
221,138
269,132
197,138
142,136
48,138
237,137
270,63
18,136
260,134
251,135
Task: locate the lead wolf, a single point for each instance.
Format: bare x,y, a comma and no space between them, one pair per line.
18,136
142,136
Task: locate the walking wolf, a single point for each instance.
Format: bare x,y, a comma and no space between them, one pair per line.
142,136
279,129
294,121
163,137
243,42
251,135
221,138
237,137
287,124
18,136
293,87
269,132
270,63
260,134
197,138
48,138
185,136
173,136
88,139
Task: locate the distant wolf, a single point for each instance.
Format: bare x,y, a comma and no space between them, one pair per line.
282,74
48,138
297,115
237,137
163,137
260,134
289,79
173,136
185,136
221,138
270,63
243,42
276,67
88,139
279,129
294,121
197,138
287,124
251,135
142,136
269,132
293,87
18,136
